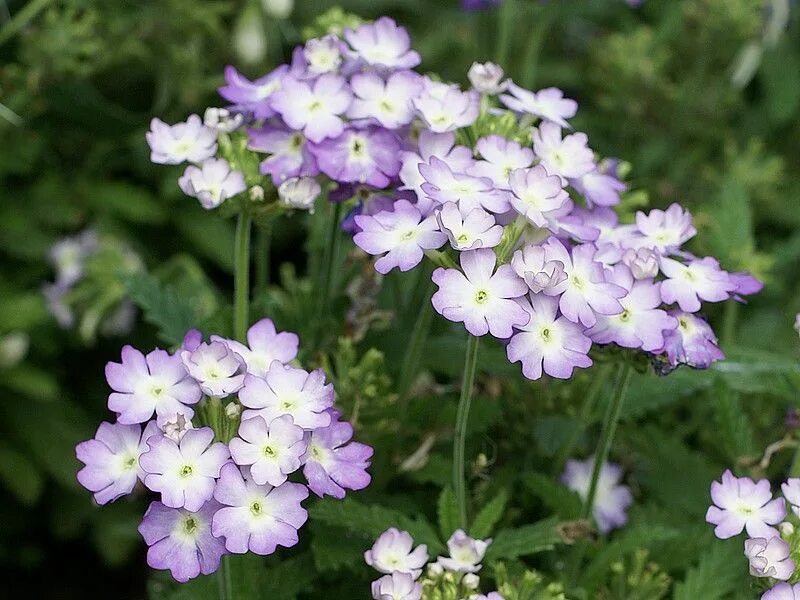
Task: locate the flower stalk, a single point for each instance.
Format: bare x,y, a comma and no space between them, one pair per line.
462,418
241,282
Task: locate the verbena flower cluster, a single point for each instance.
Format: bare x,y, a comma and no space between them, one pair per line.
217,429
611,498
773,546
453,576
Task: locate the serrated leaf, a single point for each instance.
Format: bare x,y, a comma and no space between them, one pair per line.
715,577
489,515
447,511
525,540
557,497
372,520
171,314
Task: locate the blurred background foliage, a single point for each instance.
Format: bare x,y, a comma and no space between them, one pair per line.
702,97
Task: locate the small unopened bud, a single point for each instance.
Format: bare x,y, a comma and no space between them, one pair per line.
786,529
13,348
435,570
256,193
487,78
233,410
300,193
176,427
323,55
222,119
278,9
471,581
643,262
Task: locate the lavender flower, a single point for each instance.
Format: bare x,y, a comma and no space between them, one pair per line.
769,558
299,193
569,157
315,108
68,256
643,262
548,343
383,44
397,586
264,346
212,182
740,503
466,553
442,185
599,189
791,491
480,297
536,195
272,451
386,102
440,145
333,463
783,591
666,230
258,518
478,229
392,553
501,158
700,279
112,459
289,152
288,391
184,473
173,144
218,370
445,107
360,156
692,343
611,498
487,78
181,540
323,55
157,383
549,104
252,96
399,236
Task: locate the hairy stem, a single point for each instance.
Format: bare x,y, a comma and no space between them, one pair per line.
462,417
241,281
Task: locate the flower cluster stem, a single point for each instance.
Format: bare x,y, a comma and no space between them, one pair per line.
462,418
329,260
263,239
416,344
241,281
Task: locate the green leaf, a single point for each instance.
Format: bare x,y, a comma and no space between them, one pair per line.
447,511
648,392
557,497
171,314
489,515
733,428
20,475
129,202
335,548
372,520
718,574
525,540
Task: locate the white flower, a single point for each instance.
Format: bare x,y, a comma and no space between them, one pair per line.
272,451
487,78
392,553
643,262
212,183
466,553
397,586
300,193
173,144
769,558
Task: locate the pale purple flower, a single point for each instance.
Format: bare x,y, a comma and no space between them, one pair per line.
444,107
386,102
536,195
68,255
611,499
176,427
466,553
173,144
299,193
383,44
399,236
55,298
691,343
740,503
272,451
501,157
599,189
666,230
791,491
157,383
783,591
744,285
264,345
643,262
313,107
489,596
688,284
585,293
549,104
184,473
548,343
530,262
368,156
289,152
442,185
257,518
333,463
111,459
397,586
480,297
288,391
641,324
472,5
769,558
477,229
613,238
570,158
370,205
392,553
487,78
218,370
252,96
440,145
212,182
181,540
323,55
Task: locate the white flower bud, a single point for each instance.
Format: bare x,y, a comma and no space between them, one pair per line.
249,39
233,410
176,427
221,119
487,78
786,529
435,570
300,193
278,9
643,262
256,193
471,581
13,348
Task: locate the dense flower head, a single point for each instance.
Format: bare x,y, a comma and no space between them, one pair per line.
612,498
221,474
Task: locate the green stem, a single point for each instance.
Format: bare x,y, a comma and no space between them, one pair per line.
411,360
505,21
460,438
241,281
541,25
263,239
729,324
330,256
19,20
